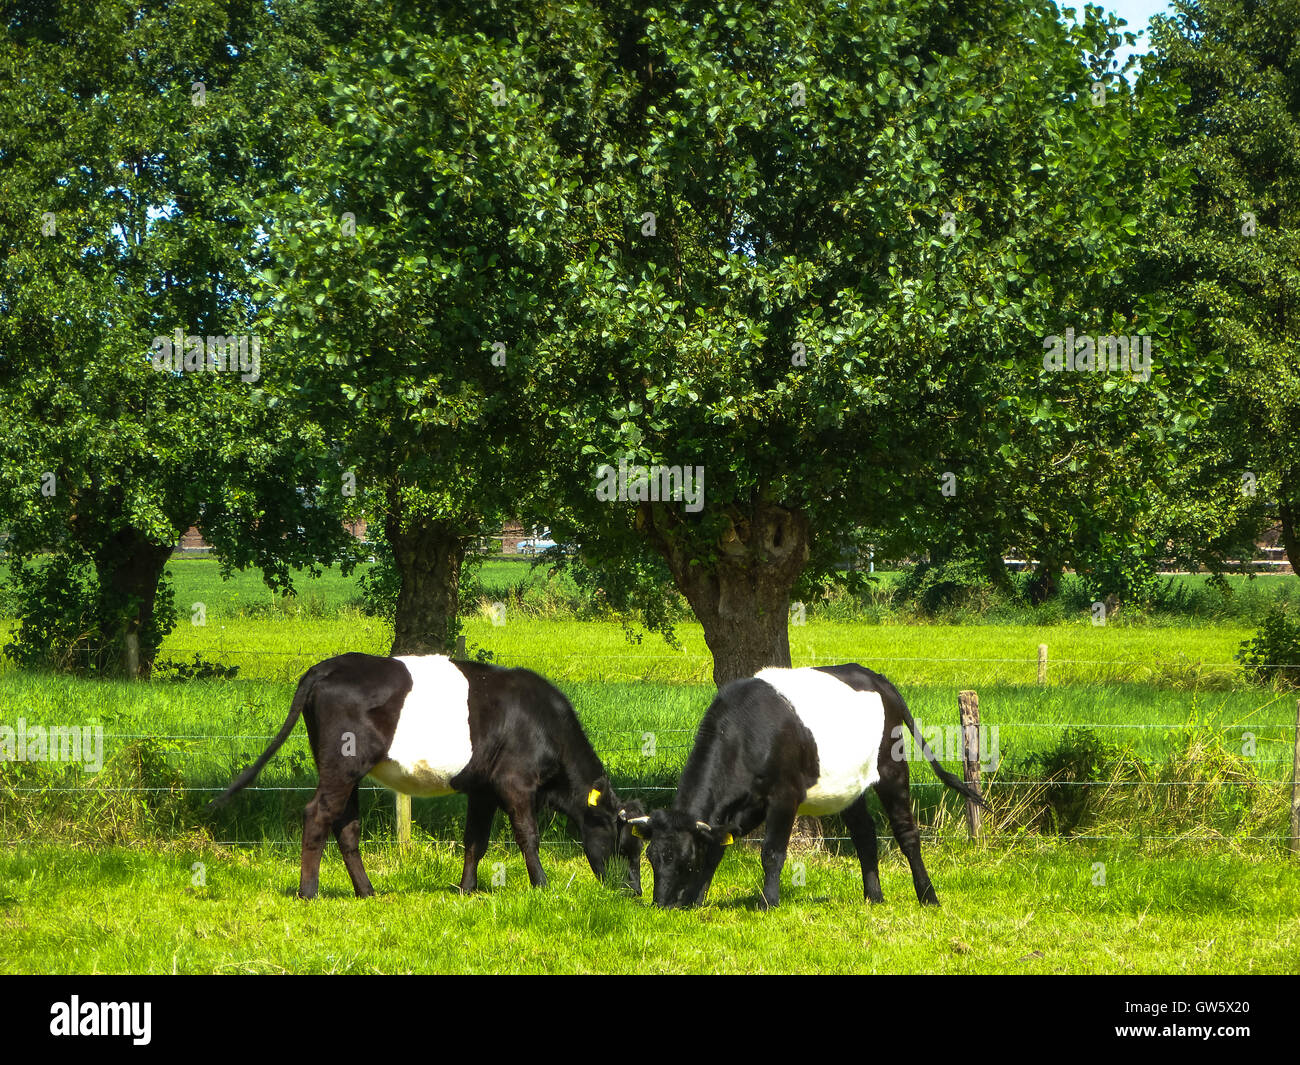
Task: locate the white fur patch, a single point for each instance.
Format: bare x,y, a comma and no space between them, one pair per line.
847,725
431,744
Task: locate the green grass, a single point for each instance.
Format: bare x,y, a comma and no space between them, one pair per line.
1190,829
1033,910
536,590
956,655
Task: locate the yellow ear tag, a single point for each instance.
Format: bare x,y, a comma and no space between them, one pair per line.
593,797
730,839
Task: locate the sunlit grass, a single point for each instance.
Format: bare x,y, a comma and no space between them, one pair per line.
1034,910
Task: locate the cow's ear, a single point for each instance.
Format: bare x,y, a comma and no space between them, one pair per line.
599,790
640,827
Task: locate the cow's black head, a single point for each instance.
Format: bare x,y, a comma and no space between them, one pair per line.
683,852
606,831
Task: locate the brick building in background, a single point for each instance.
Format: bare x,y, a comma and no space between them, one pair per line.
193,539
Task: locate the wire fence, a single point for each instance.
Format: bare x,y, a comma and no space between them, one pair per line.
632,787
705,660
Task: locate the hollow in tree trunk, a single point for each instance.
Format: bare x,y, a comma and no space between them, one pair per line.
740,587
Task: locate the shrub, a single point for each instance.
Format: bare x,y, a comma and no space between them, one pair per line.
55,603
1273,653
936,587
380,584
1065,800
65,623
199,669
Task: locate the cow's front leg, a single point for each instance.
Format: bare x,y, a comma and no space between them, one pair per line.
711,862
518,804
780,822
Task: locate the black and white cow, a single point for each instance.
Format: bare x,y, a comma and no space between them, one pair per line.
425,725
781,743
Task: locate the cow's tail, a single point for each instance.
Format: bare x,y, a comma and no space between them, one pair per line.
939,771
306,687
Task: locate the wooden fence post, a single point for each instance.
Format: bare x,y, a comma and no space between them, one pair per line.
1042,663
968,703
403,820
460,646
1295,786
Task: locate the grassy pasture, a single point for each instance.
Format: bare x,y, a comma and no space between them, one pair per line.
1028,909
1195,880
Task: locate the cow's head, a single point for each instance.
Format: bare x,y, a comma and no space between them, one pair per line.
606,831
683,852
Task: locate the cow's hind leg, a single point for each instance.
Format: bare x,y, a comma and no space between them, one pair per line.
776,840
862,830
326,807
347,831
898,808
478,826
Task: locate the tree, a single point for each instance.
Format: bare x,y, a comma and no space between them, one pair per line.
412,252
1233,254
126,134
824,244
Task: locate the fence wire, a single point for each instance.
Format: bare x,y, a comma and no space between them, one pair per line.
703,662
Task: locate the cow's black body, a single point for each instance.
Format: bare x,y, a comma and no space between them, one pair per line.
753,762
529,754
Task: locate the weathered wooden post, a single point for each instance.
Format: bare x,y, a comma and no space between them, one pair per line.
968,703
1042,663
460,646
403,820
1295,786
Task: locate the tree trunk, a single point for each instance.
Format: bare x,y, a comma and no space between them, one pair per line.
1045,582
740,587
998,573
428,554
1289,513
129,567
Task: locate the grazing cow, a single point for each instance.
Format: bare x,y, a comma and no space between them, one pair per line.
425,725
781,743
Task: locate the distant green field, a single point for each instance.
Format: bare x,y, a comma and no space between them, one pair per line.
529,588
